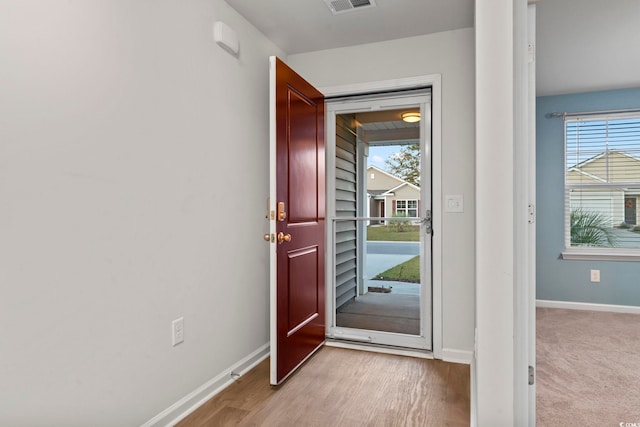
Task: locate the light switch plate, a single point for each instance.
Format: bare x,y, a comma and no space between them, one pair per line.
454,203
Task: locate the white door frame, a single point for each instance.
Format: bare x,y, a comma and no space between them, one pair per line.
434,81
525,218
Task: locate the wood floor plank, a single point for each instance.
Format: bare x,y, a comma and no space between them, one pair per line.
340,387
458,392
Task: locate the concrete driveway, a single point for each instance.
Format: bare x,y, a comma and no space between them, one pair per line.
382,256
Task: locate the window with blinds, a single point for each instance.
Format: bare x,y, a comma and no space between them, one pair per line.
408,208
602,181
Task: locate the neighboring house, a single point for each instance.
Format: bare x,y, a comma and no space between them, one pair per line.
619,204
389,195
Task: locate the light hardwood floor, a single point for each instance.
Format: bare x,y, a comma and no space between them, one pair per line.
340,387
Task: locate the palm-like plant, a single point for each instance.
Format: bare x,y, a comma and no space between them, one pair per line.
590,229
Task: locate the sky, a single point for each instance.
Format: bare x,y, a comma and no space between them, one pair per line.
378,154
586,139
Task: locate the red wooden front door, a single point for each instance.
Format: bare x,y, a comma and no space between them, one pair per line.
298,294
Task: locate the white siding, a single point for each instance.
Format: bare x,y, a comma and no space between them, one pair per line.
346,184
377,180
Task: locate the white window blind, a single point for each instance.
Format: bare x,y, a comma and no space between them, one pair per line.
602,181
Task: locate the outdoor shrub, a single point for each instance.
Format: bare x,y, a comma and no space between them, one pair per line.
590,229
399,226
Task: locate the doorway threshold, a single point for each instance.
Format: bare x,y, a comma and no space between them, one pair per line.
379,348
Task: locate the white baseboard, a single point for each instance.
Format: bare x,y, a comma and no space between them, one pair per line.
192,401
457,356
588,306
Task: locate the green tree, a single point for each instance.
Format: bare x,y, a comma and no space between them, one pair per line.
405,164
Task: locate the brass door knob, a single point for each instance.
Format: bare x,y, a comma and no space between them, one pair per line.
283,237
267,237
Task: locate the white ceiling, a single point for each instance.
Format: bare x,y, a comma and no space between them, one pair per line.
587,45
582,45
298,26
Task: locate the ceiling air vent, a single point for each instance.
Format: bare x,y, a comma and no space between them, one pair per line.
342,6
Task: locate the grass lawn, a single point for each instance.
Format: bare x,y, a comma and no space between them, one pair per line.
388,234
406,272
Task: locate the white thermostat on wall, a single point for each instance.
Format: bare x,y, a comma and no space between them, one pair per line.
226,37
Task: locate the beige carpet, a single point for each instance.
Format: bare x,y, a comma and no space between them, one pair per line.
588,368
390,312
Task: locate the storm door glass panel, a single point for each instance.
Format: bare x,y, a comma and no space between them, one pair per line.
377,234
379,290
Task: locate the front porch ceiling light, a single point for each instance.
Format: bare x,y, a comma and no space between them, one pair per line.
411,117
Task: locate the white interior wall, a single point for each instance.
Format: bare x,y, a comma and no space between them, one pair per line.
450,54
133,158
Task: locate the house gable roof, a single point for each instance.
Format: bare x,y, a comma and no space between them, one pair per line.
587,174
377,169
621,165
401,183
388,192
600,156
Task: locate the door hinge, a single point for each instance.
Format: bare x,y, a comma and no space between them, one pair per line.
532,375
532,213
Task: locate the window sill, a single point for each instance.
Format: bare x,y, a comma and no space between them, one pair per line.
600,254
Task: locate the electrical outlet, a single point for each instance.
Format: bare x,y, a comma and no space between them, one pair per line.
595,276
177,331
